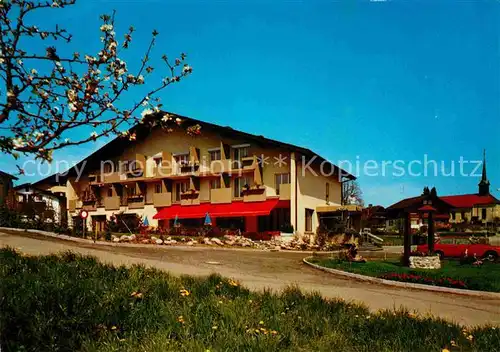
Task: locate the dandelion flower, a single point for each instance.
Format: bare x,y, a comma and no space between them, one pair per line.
233,283
445,350
261,322
214,327
184,292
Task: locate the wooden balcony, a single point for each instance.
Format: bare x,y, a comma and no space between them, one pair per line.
162,199
284,191
112,203
220,195
89,206
135,203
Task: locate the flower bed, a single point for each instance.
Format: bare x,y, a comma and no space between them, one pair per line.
452,273
418,279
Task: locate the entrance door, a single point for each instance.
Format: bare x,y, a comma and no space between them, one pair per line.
99,223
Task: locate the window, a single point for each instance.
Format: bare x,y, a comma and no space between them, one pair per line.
483,213
215,183
110,192
309,219
239,183
453,215
239,152
327,192
180,187
182,159
158,188
158,161
214,154
281,179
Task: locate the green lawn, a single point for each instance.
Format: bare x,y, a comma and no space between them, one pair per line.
75,303
484,278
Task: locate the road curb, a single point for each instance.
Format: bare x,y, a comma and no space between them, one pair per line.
457,291
144,245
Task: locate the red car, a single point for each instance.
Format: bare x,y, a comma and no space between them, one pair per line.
485,251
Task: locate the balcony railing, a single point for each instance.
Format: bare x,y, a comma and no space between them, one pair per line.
220,195
89,206
162,199
112,203
136,203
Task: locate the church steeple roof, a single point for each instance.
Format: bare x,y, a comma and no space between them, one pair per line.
484,184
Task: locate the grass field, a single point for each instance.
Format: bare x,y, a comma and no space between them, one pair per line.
74,303
484,278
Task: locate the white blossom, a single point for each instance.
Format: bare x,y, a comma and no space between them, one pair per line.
106,27
34,72
66,140
166,117
93,134
72,107
55,4
146,112
140,79
187,69
18,143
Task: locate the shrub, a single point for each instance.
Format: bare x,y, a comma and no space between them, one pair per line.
286,228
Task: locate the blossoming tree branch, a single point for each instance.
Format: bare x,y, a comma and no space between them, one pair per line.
47,93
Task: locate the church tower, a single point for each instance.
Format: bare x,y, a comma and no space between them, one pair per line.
484,184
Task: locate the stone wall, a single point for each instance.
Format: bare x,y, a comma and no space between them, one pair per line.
425,262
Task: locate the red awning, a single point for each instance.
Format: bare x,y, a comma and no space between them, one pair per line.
233,209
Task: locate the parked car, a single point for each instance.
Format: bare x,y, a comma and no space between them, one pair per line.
485,251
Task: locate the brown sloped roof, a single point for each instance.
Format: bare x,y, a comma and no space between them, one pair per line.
407,202
118,144
5,174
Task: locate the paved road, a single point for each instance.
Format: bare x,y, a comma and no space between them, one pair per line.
276,270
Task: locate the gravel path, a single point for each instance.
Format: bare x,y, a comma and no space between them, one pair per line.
276,270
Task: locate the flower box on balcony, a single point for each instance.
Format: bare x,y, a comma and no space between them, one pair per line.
190,194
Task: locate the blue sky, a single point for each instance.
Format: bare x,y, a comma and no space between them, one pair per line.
373,80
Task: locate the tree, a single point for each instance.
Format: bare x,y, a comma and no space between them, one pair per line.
43,95
351,193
